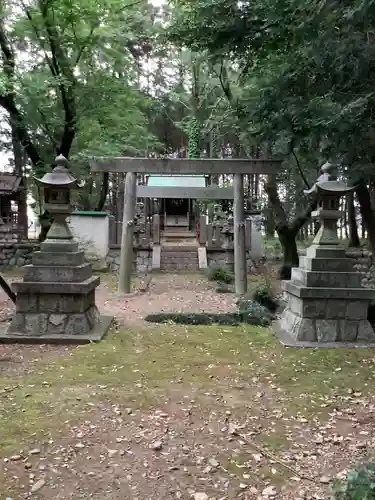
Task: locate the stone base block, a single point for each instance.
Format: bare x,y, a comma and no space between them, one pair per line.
343,265
325,252
94,335
61,274
326,330
58,259
328,309
302,291
43,323
58,288
52,303
59,246
288,340
327,279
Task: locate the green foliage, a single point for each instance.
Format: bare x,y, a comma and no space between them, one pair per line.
248,308
220,274
358,485
208,318
76,82
263,294
194,138
298,79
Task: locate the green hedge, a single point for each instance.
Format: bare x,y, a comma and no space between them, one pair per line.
207,319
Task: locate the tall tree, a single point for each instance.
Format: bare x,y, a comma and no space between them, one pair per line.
304,79
69,81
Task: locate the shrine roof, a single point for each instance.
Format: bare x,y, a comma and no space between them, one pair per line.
177,181
9,183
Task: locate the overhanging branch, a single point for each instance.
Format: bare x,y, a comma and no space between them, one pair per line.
66,79
303,177
301,220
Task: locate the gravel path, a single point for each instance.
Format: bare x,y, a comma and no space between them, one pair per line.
166,293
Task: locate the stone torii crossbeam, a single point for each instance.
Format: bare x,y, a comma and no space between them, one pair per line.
177,166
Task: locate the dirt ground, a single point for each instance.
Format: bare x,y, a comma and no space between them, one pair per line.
165,293
174,412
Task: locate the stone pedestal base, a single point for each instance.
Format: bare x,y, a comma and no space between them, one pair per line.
56,300
325,302
96,334
326,330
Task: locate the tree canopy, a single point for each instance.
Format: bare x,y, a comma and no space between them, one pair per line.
114,77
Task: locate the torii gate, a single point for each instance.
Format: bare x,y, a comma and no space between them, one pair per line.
178,166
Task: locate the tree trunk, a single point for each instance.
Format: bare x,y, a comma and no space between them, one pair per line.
240,266
45,221
19,169
126,257
103,192
367,214
352,221
289,245
269,222
287,231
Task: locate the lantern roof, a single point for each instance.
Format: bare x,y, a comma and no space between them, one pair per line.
60,175
328,183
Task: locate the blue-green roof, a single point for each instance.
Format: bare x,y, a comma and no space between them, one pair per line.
89,213
177,181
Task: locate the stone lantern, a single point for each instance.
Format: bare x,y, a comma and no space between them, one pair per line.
326,303
57,186
55,302
329,190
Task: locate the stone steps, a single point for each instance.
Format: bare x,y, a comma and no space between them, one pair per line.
176,229
179,259
178,234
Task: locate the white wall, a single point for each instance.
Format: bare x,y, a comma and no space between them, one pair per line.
91,232
256,251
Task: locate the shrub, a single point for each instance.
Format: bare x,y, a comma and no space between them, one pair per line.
248,308
220,274
207,319
263,295
358,485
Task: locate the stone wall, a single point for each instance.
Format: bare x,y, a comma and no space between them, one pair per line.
16,254
365,265
142,259
226,258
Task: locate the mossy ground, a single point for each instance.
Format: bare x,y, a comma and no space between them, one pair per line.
57,386
279,398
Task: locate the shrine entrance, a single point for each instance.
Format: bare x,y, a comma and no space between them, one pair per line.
183,167
176,207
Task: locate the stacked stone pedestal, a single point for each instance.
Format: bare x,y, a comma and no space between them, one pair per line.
325,300
56,299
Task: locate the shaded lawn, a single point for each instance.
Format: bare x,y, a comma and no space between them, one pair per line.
140,366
